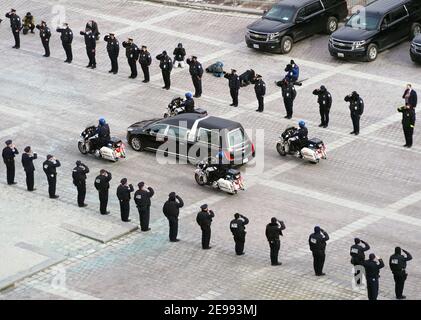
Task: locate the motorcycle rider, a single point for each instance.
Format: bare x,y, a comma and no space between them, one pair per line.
103,132
188,104
299,139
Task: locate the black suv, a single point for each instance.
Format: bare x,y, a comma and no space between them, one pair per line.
380,25
416,49
292,20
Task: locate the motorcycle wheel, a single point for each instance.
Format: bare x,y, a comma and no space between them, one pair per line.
199,179
281,149
82,148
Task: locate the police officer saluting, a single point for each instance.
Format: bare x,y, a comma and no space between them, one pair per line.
397,263
196,72
166,66
45,35
408,114
15,25
27,162
324,99
317,242
238,229
273,231
79,180
288,94
113,49
260,90
66,40
123,195
356,106
142,198
234,85
50,168
357,254
204,220
90,42
171,210
102,184
132,54
145,61
372,268
8,155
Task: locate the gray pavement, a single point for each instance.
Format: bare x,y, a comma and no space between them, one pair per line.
369,187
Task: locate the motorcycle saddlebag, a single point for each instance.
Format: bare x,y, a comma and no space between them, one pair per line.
314,143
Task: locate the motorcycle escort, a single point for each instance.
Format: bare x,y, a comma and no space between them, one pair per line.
313,152
227,180
175,108
113,151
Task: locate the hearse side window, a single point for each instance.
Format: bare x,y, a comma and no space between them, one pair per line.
208,136
397,14
313,8
236,137
158,129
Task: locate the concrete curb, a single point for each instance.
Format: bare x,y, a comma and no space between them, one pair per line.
210,7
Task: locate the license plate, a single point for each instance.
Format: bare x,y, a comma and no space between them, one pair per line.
245,160
341,55
256,46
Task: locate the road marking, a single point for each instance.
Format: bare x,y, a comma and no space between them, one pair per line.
63,292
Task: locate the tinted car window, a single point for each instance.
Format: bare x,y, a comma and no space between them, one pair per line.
363,20
177,132
281,13
397,14
158,129
313,8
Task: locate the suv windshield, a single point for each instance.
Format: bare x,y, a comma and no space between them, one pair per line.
281,13
364,20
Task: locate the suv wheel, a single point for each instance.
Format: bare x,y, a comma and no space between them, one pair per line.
136,144
415,30
372,52
331,25
286,44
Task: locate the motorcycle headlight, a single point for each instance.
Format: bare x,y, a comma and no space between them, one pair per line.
358,44
273,36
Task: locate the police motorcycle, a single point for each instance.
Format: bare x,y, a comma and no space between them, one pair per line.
175,107
113,150
313,152
219,177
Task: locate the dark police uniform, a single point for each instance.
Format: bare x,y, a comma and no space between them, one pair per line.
132,54
397,263
238,229
166,67
188,105
260,90
171,210
408,124
273,231
50,169
102,184
113,49
356,107
288,93
196,72
103,135
79,180
28,166
372,274
317,242
234,85
45,35
179,54
123,195
16,26
324,99
142,199
8,155
90,42
66,40
357,253
204,219
145,61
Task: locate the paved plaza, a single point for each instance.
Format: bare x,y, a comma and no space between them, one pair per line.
369,187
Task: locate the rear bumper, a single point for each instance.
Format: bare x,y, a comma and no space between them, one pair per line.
271,46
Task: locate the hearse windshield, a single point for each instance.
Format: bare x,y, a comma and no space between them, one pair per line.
364,20
281,13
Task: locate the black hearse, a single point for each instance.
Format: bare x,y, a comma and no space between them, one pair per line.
193,137
292,20
380,25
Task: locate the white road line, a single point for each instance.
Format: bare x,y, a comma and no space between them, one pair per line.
63,292
406,202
